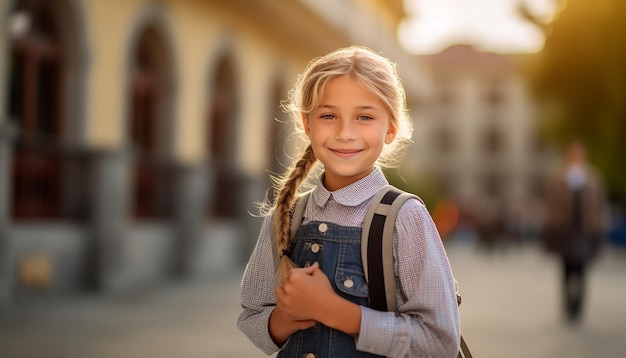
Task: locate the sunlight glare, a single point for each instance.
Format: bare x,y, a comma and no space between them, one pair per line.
489,25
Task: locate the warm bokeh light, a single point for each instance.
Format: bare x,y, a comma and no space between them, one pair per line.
490,25
446,217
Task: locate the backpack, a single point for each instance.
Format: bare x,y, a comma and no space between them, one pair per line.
376,247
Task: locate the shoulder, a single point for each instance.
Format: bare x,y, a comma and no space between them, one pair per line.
410,201
411,215
415,229
413,211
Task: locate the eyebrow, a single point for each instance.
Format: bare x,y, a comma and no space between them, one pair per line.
363,107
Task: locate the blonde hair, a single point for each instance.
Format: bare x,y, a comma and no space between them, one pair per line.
379,75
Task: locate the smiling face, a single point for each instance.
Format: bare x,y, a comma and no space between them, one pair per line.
348,130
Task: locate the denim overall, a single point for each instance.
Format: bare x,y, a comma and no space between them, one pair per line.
337,249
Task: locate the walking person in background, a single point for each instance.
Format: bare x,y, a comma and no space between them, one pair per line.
575,222
351,106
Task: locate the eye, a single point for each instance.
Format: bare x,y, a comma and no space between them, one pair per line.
364,117
327,116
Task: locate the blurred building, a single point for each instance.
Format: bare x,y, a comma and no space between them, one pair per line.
134,135
476,136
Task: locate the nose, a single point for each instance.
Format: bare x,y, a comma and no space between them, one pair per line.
345,130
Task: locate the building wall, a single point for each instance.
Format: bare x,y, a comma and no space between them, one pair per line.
475,94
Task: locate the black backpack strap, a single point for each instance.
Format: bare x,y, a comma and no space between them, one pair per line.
377,251
464,352
377,246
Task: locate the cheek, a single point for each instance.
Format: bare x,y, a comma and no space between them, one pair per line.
315,136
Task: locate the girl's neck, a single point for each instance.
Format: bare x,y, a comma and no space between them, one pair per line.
336,182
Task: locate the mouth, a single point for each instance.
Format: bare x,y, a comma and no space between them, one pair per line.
346,153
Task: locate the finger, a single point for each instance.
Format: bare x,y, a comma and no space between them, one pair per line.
310,269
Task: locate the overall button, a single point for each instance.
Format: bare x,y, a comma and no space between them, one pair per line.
322,227
315,248
348,283
310,355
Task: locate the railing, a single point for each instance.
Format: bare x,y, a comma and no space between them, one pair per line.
154,188
227,192
49,181
53,182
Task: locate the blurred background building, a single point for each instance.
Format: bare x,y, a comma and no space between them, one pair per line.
135,135
476,138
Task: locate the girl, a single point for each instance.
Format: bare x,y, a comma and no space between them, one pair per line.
352,107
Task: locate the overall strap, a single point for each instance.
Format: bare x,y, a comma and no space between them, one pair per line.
377,246
296,220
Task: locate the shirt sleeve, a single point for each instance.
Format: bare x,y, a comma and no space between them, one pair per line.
427,322
257,293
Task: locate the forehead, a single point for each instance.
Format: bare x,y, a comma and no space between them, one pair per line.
348,89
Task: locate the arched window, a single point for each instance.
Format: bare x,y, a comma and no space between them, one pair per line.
444,139
46,176
493,141
36,65
148,127
494,94
222,136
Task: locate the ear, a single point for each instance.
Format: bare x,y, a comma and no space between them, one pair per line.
305,124
392,131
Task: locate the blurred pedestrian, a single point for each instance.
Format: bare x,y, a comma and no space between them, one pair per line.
575,222
489,221
351,106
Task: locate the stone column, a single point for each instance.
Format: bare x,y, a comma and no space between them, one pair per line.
191,194
111,177
7,274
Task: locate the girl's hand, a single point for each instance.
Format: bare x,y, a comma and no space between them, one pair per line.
304,293
283,322
282,325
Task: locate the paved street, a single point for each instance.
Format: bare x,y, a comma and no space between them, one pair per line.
510,309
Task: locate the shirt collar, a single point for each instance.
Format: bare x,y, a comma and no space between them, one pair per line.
354,194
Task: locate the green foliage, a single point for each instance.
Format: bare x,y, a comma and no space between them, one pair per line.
581,79
426,190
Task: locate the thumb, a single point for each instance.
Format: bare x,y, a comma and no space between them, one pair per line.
309,270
